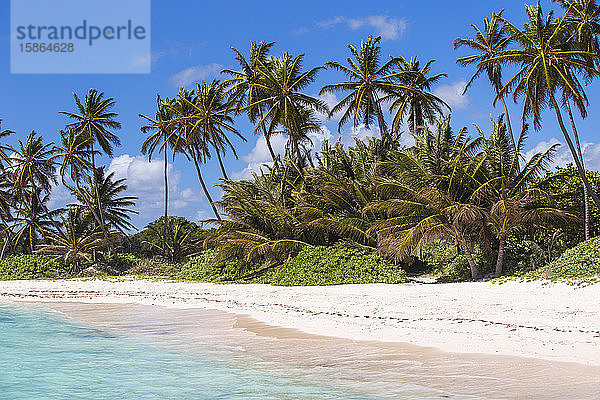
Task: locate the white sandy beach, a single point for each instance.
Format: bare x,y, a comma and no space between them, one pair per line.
553,322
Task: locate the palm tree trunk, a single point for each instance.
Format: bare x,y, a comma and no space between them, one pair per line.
101,214
500,260
508,124
580,168
586,200
209,198
166,221
267,139
221,165
475,274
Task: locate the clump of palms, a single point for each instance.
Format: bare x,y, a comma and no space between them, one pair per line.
549,64
77,241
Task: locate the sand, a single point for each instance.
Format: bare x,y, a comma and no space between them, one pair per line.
526,319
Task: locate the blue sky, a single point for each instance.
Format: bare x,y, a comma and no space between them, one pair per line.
190,42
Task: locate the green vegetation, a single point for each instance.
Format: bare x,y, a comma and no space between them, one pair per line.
30,266
579,265
312,266
461,201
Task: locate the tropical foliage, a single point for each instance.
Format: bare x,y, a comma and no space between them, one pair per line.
463,199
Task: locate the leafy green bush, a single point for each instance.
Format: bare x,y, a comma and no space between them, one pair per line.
153,267
122,261
450,266
582,262
30,266
522,256
321,265
200,268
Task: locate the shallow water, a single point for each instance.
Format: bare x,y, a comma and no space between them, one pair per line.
117,351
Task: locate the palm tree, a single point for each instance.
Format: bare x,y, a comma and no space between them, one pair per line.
285,105
94,117
244,86
548,62
78,241
31,220
5,132
425,195
368,82
583,18
487,44
514,201
186,140
105,193
162,135
31,164
210,120
413,95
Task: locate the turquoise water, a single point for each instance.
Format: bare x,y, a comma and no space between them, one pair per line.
46,356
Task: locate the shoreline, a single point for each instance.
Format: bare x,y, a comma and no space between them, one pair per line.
552,322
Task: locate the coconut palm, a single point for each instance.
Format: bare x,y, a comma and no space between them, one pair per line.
514,201
95,118
412,97
244,86
31,220
77,242
425,195
162,134
547,62
4,133
31,164
487,43
367,81
285,105
210,121
112,205
190,143
583,17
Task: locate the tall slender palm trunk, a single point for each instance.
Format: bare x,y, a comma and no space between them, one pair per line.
586,199
221,165
267,139
100,213
500,259
166,221
206,192
580,168
475,274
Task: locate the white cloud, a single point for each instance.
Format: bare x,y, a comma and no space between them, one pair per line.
331,100
562,156
453,94
387,27
260,156
195,73
145,180
148,59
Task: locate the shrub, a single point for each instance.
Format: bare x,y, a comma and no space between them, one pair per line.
203,268
450,266
122,261
320,265
581,261
30,266
153,267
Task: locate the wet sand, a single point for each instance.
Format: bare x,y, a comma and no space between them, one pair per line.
397,370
